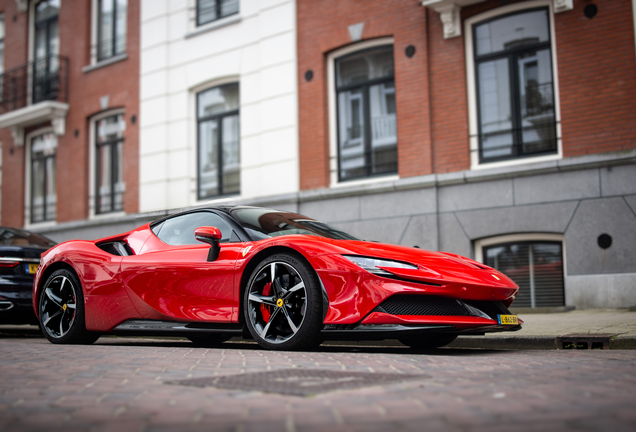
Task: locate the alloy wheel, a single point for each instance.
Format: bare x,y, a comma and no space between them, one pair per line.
58,306
277,302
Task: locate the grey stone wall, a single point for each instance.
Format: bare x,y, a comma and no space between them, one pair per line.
578,198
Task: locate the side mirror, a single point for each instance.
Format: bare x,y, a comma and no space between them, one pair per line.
211,236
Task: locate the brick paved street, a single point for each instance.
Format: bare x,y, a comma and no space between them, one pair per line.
119,385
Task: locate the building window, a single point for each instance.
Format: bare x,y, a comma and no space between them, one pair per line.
367,128
43,194
109,172
212,10
515,86
1,51
111,28
536,266
219,161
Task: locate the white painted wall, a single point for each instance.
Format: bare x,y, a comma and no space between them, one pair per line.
257,49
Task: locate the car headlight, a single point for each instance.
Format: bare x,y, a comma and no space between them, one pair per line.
373,265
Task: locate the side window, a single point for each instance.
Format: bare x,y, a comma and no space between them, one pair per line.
179,230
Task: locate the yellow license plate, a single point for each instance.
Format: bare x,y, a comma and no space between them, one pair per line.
31,268
507,319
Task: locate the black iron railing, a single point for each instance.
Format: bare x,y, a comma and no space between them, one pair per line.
40,80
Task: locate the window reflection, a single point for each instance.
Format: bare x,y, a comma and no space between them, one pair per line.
367,124
219,141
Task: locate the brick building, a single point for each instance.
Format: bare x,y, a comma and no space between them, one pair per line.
68,115
505,131
499,130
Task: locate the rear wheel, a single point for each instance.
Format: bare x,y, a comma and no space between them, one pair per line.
429,341
61,308
282,304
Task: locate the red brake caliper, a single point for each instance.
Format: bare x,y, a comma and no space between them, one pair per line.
267,289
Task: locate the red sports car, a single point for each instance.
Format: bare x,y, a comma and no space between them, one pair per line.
285,280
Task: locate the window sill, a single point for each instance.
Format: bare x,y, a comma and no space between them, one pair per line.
518,161
366,181
106,216
214,25
106,62
38,226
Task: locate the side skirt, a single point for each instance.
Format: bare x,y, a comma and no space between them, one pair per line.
137,327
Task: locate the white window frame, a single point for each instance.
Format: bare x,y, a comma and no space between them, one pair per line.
333,117
94,64
92,146
27,178
194,142
472,86
194,29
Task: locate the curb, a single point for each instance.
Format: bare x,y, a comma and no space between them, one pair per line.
627,342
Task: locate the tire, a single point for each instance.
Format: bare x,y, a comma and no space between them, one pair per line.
208,340
61,308
429,342
282,304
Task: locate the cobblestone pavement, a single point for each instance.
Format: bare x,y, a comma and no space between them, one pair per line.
120,385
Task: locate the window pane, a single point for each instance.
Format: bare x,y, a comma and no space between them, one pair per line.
231,155
120,186
537,106
120,27
104,190
351,133
43,185
180,230
229,7
51,196
218,100
364,66
37,190
206,11
208,158
537,267
46,9
512,31
110,128
494,109
106,19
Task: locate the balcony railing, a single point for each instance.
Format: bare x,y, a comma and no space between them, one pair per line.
40,80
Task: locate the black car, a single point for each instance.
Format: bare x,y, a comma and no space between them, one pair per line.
20,252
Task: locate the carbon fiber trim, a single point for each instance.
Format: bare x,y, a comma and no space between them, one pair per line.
413,304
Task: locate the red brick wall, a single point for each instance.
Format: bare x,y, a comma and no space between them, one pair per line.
597,78
596,73
323,27
119,81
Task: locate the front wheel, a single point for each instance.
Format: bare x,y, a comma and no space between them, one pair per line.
282,304
61,308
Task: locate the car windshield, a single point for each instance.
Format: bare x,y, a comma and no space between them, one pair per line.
17,237
262,223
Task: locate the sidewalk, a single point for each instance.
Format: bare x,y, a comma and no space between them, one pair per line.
542,331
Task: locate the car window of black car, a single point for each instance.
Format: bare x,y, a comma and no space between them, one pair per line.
179,230
17,237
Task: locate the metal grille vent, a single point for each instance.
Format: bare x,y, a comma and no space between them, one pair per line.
406,304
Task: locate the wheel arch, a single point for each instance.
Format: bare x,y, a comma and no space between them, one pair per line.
45,276
260,256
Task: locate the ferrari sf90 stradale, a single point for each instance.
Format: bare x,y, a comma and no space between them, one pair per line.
283,279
